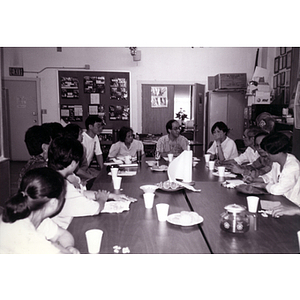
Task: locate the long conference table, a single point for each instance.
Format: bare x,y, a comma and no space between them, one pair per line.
139,231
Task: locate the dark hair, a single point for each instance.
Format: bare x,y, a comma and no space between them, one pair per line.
254,130
72,130
221,125
62,151
35,137
275,143
123,133
38,187
91,120
54,129
169,125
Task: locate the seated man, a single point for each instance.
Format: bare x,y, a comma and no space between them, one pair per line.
90,139
173,142
37,141
250,154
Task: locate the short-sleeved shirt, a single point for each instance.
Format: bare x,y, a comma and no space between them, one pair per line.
228,146
120,149
165,144
92,146
21,237
249,156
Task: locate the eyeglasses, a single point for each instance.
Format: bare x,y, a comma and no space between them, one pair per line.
177,128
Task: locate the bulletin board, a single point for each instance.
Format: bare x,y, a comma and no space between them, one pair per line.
84,93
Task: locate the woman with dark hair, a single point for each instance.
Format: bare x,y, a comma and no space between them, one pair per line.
284,177
223,148
126,145
25,224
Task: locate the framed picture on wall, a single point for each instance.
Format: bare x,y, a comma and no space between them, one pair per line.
288,59
283,61
282,78
282,50
276,64
274,81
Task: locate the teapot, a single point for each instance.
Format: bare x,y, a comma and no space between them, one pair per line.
235,219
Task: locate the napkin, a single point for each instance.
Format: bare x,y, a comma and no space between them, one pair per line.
181,167
232,183
116,206
269,205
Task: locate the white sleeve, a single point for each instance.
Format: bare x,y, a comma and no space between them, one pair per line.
48,228
98,150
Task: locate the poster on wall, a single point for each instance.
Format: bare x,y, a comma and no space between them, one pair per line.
94,84
118,89
71,113
98,110
159,97
69,87
119,112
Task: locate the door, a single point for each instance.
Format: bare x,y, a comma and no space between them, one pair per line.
21,97
198,99
155,117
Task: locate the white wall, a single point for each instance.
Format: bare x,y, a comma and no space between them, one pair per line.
157,64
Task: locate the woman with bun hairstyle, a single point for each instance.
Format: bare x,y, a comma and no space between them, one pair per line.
25,224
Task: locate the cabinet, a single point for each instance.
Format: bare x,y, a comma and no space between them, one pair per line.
228,107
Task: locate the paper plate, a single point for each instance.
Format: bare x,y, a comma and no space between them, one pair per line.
185,218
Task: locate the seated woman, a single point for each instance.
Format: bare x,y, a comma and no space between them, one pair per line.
126,145
25,224
223,148
284,177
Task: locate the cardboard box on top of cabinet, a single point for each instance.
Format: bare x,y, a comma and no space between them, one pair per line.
231,81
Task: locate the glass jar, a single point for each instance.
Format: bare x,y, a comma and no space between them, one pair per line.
235,219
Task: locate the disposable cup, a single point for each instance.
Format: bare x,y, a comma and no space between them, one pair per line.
117,182
207,157
162,211
252,203
211,165
94,238
114,172
127,159
298,233
149,199
170,157
221,171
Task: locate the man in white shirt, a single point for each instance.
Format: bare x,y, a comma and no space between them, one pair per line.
90,141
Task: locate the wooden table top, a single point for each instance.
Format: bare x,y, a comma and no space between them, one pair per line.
140,231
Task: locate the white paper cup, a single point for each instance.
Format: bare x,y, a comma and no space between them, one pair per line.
162,211
211,165
117,182
94,238
221,171
207,157
149,199
127,159
114,172
252,203
170,157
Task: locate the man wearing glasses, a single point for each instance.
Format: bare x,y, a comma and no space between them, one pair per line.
173,142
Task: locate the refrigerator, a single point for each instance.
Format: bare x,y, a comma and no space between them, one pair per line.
228,107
